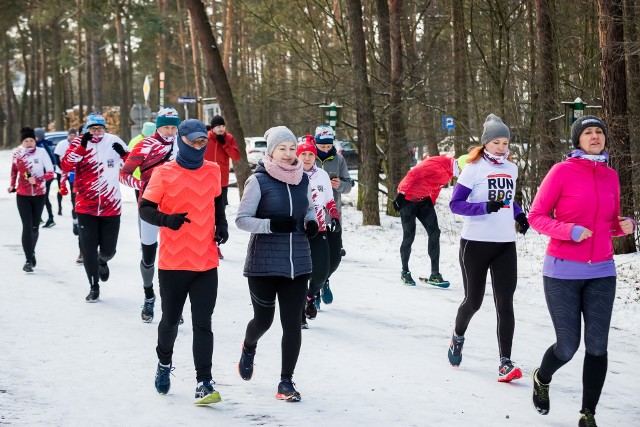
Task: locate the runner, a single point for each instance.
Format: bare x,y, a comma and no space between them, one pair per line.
578,206
484,195
180,198
147,155
328,222
96,159
277,210
31,169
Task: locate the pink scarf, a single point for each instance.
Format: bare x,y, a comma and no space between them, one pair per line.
289,174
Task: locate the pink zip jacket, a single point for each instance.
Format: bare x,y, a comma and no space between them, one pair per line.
578,192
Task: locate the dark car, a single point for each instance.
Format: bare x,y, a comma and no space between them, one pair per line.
349,153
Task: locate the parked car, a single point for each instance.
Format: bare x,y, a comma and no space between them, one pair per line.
55,137
256,148
348,152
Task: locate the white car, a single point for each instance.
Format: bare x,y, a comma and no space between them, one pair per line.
256,148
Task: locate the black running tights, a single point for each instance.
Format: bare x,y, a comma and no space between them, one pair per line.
202,289
320,262
426,214
30,210
99,236
291,297
500,259
568,301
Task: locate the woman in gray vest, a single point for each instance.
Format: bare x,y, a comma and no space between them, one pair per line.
277,210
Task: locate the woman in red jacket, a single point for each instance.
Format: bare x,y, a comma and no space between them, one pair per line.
578,206
31,168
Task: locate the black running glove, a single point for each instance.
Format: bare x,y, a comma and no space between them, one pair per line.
222,233
85,139
311,229
175,221
221,139
494,206
283,225
399,202
335,226
521,219
119,149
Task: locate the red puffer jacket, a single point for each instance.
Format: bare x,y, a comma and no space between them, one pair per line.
427,179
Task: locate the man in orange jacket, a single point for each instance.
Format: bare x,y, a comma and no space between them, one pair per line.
417,195
222,146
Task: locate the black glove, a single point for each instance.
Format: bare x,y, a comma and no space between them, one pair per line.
521,219
85,139
221,139
399,202
222,233
119,149
311,229
283,225
335,226
175,221
494,205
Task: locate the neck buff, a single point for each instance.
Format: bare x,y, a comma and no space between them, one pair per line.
188,157
97,138
579,154
289,174
167,139
496,160
324,156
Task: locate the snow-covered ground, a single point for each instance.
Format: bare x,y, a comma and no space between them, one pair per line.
376,356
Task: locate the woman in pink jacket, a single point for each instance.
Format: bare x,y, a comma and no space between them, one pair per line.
578,206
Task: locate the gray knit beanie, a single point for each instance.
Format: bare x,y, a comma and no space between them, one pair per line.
586,122
277,135
494,128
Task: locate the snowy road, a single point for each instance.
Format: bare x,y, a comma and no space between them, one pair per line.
377,356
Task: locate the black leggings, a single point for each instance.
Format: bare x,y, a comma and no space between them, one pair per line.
58,194
47,203
426,214
99,236
335,246
291,297
568,301
30,210
476,258
202,289
320,262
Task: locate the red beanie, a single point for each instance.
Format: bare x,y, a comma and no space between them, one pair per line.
306,143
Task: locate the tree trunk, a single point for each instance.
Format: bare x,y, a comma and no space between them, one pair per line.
10,131
125,105
56,77
398,147
461,100
228,35
194,59
614,99
549,142
368,174
96,70
183,42
89,65
218,77
633,73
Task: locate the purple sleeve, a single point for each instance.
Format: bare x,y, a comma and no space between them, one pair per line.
576,232
460,206
517,210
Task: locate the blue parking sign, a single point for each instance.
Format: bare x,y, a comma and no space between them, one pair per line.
447,122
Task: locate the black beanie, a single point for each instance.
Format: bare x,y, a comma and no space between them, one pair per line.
217,121
586,122
27,133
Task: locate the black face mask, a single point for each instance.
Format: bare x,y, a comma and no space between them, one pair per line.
189,157
324,156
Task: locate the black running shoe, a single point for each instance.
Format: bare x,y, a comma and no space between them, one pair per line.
50,223
163,378
103,272
287,391
587,419
94,294
28,267
310,310
540,394
406,278
245,365
33,259
507,371
206,394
